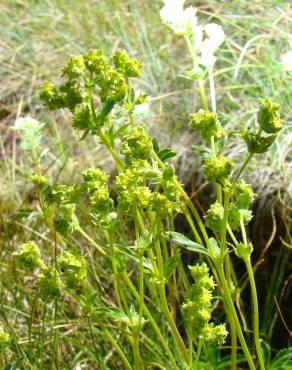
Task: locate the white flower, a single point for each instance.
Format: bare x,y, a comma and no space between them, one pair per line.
205,40
30,129
215,37
287,61
180,20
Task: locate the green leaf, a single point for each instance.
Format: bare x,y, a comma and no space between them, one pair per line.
184,242
113,313
226,361
128,252
214,249
106,109
165,154
170,265
266,351
281,359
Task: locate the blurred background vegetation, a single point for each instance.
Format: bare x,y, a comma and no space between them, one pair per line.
38,36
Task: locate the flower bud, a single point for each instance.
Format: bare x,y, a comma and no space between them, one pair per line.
218,169
269,116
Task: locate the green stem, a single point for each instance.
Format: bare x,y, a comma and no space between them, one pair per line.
152,321
91,241
31,321
228,301
190,350
212,89
172,324
227,196
233,344
42,346
255,313
200,80
117,348
93,338
137,361
199,349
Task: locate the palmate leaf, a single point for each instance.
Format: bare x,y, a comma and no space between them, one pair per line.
184,242
113,313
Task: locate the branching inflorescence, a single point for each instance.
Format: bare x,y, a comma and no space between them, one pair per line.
147,195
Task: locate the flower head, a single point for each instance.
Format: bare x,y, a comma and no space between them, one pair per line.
28,255
214,38
205,40
180,20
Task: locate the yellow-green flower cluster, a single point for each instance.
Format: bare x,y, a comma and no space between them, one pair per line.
62,199
96,185
127,66
218,169
243,196
137,144
85,75
73,269
130,186
144,186
198,308
65,219
49,284
270,123
28,255
214,216
207,123
269,116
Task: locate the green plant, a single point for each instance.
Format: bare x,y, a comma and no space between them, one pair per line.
146,195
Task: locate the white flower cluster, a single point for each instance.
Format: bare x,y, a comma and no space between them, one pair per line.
205,39
30,128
